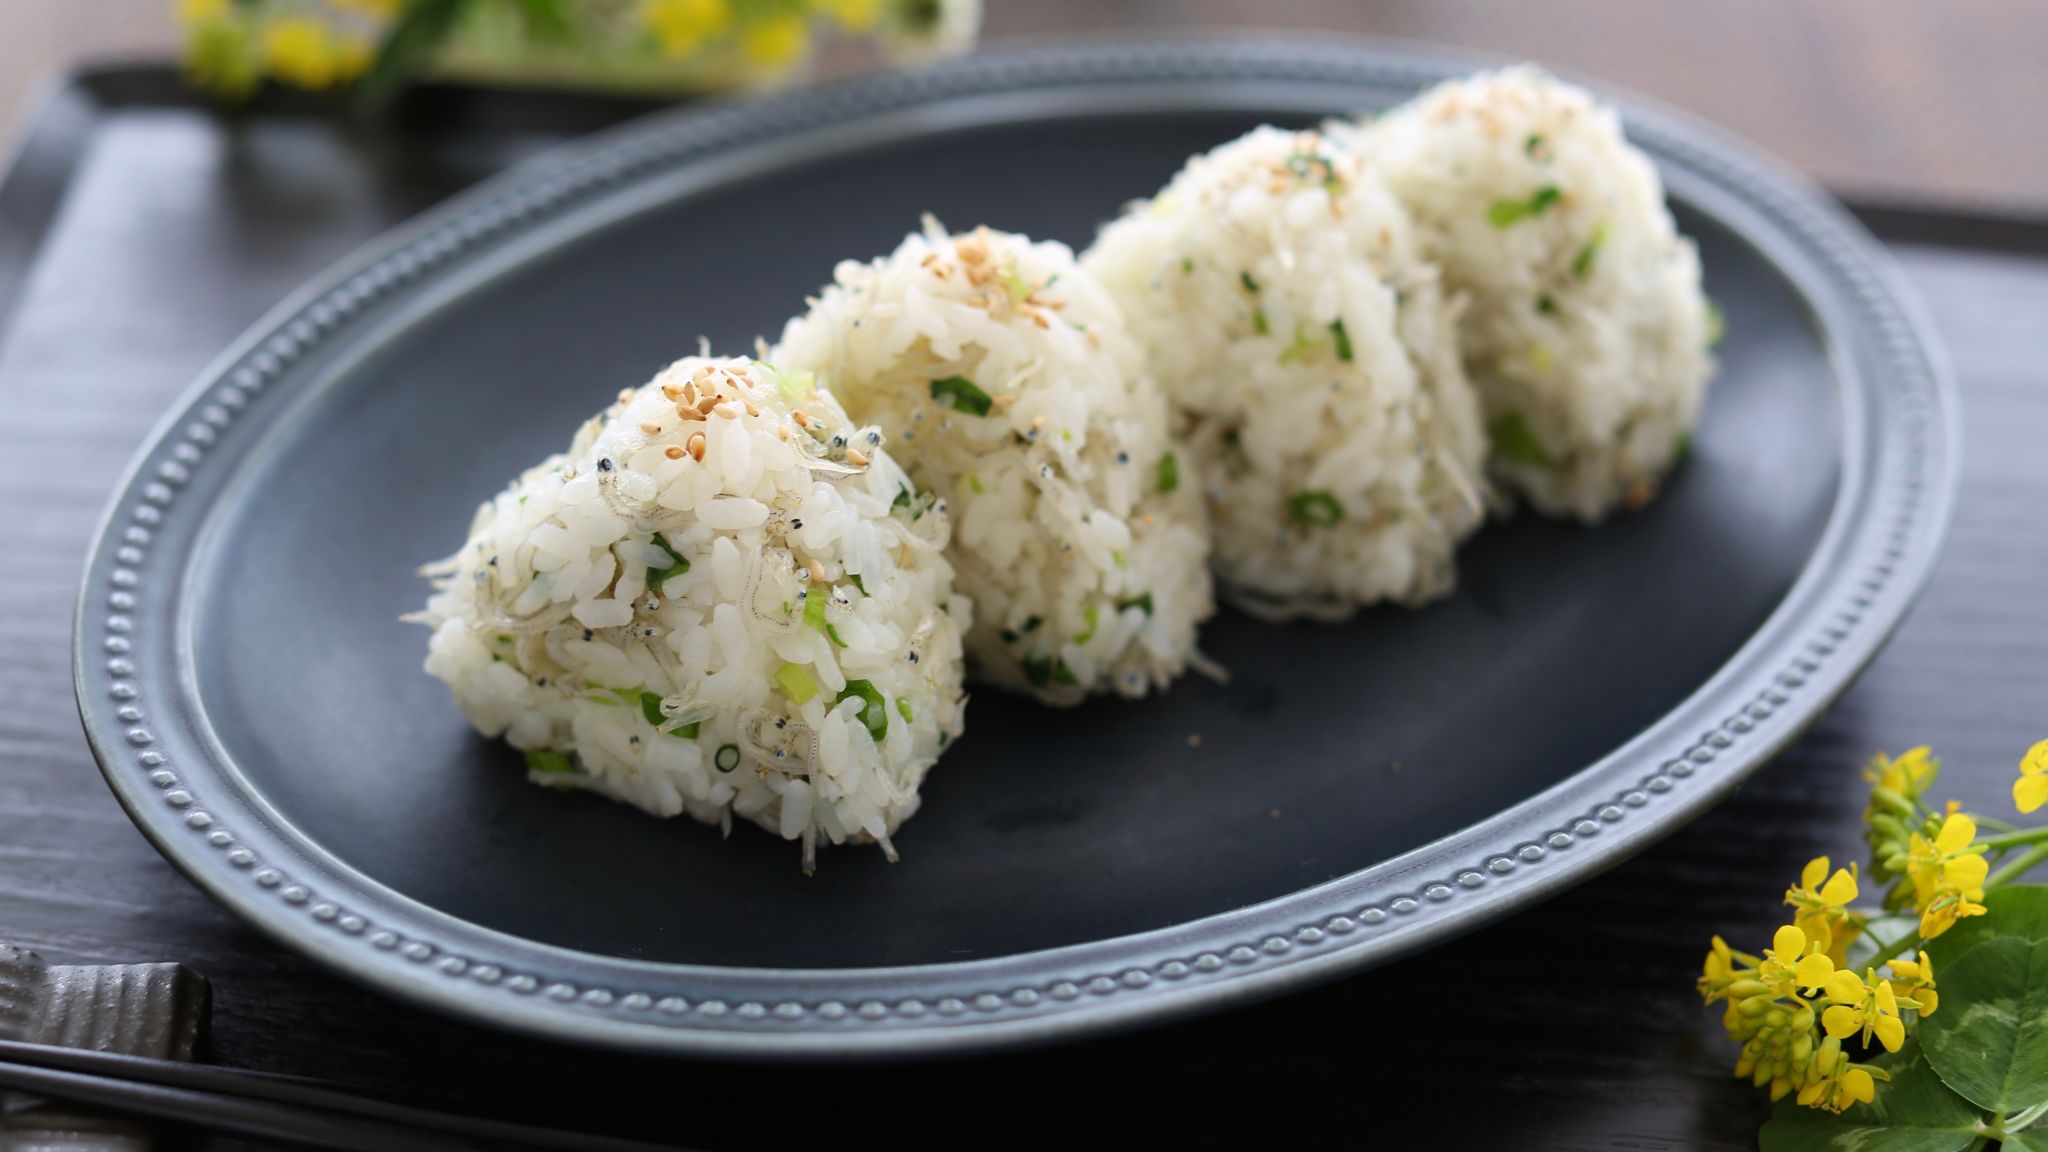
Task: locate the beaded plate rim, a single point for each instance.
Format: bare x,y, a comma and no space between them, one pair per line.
1900,455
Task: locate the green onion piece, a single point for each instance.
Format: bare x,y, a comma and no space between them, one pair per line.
1682,447
1343,339
1169,472
1316,509
1545,305
903,709
814,609
855,577
796,385
1514,440
1534,145
974,482
1142,601
1062,674
650,707
1717,325
1301,346
1187,264
1259,324
676,567
874,711
1092,616
1583,262
548,763
902,499
727,758
960,394
1015,283
834,634
1250,285
1507,213
1038,670
796,683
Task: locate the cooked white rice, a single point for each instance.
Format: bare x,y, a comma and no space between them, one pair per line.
1586,334
1002,374
723,599
1277,289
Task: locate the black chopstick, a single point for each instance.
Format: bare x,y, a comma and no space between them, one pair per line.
256,1105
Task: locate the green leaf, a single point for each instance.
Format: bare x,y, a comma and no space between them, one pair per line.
413,40
1514,440
2032,1140
2019,910
1989,1041
961,394
1916,1112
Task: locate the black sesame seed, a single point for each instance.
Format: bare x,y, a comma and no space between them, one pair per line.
796,524
604,464
586,634
1123,457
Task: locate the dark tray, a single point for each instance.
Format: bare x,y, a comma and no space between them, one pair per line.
138,235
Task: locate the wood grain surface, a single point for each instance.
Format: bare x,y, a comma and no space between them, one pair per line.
1572,1026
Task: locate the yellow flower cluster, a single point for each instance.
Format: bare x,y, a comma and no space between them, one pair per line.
1792,1008
230,49
2030,791
768,36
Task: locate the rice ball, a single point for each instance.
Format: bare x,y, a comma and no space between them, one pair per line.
1587,333
724,599
1003,376
1279,293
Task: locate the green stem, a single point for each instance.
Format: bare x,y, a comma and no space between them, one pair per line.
2018,867
2021,1120
1887,951
2014,839
1895,802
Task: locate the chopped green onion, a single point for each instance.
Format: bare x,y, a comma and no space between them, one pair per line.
1682,447
727,758
1014,282
1507,213
548,763
960,394
874,712
1717,325
650,707
1301,346
676,567
1514,440
1259,324
974,482
814,609
1169,472
1142,601
902,499
1534,146
903,709
1583,262
1545,305
1250,285
796,683
1315,508
855,577
1117,557
796,385
1343,339
1187,264
1092,616
834,634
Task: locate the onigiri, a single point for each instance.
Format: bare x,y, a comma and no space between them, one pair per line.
1003,377
1280,294
722,600
1586,332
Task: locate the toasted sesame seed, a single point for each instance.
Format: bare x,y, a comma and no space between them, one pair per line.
782,431
696,445
650,428
802,421
625,395
856,458
705,405
753,409
672,391
672,452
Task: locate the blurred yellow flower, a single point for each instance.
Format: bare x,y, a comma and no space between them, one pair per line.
776,41
194,12
2030,791
683,26
378,9
852,15
307,54
1838,1085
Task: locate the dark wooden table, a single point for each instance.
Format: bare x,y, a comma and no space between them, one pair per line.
1572,1026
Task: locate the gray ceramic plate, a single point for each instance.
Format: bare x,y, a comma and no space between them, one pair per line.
1358,792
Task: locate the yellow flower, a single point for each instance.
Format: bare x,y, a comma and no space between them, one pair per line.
1915,978
1788,965
1860,1008
195,12
305,53
852,15
775,42
2030,791
1952,860
375,9
683,26
223,58
1823,903
1908,775
1838,1085
1948,906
